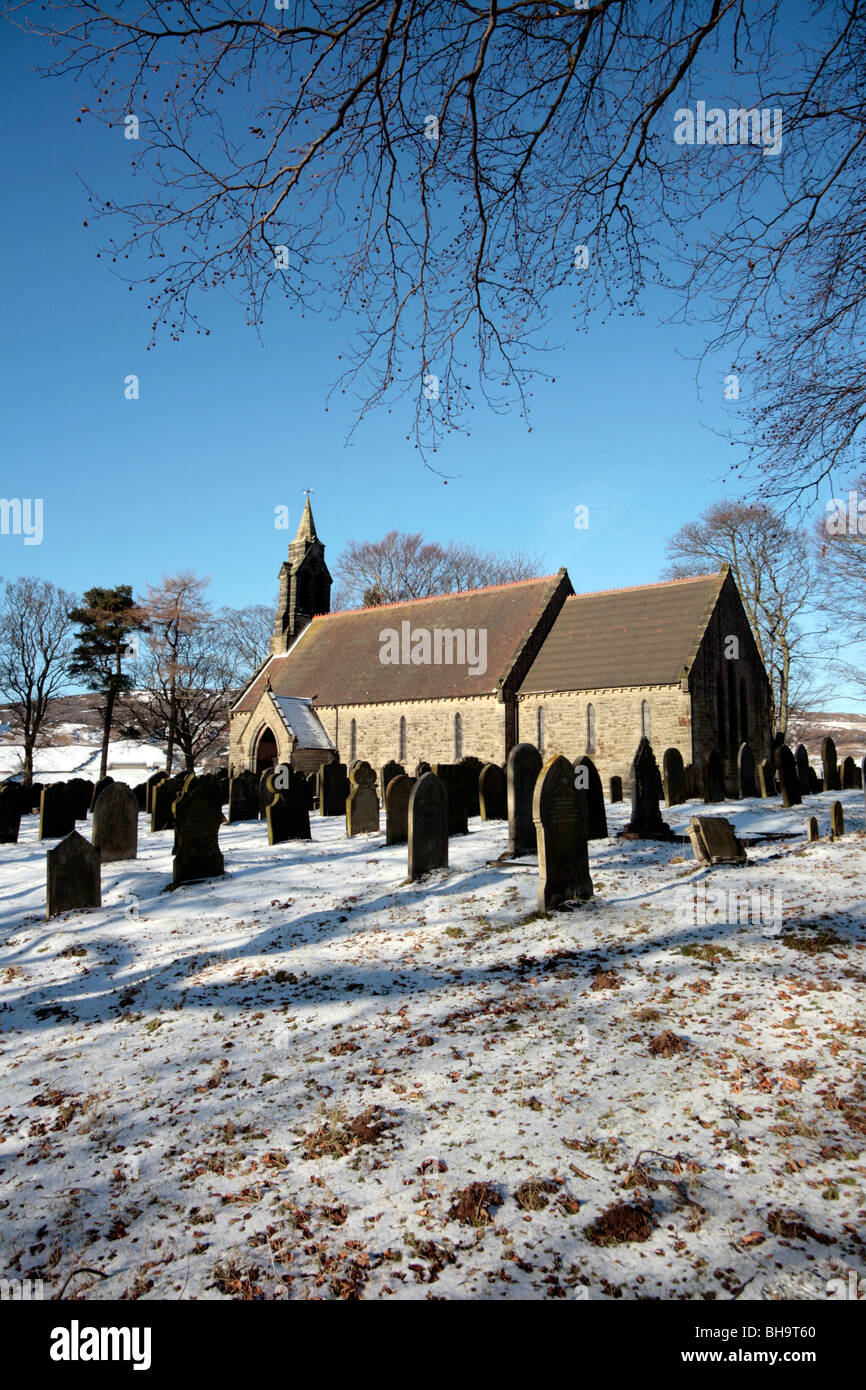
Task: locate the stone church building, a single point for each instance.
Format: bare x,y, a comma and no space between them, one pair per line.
476,672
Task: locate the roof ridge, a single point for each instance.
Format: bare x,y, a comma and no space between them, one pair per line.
657,584
432,598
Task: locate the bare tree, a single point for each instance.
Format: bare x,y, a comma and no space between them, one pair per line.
245,634
404,566
448,173
172,612
35,651
841,559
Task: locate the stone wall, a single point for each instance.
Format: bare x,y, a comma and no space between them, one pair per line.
429,730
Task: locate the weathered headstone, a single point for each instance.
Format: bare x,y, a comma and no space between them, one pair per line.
714,842
56,812
333,787
288,811
420,768
812,829
153,781
73,880
832,780
33,798
837,820
786,769
139,791
387,772
243,798
11,801
646,819
210,785
858,777
615,789
471,769
587,780
115,823
559,811
81,791
492,793
673,777
690,777
197,853
746,771
767,778
714,777
801,758
362,803
816,783
397,810
98,787
522,769
849,774
453,779
428,826
162,799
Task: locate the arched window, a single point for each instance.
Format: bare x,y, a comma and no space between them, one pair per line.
590,730
540,729
458,738
353,741
402,741
744,712
644,719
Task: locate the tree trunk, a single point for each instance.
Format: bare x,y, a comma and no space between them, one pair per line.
27,775
110,697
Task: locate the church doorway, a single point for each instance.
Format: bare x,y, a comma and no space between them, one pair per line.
266,752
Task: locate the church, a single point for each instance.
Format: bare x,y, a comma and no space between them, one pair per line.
475,672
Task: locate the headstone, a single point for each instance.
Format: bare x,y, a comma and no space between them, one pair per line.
11,801
428,826
673,777
33,798
98,787
73,882
786,768
197,853
812,830
746,771
816,783
288,811
56,812
858,777
387,773
139,791
307,785
714,842
162,799
115,823
586,779
333,788
832,780
492,793
210,785
646,819
224,780
691,781
421,768
837,820
615,789
849,774
362,803
801,758
397,810
714,777
81,791
863,777
522,769
471,769
153,781
268,789
766,778
243,798
559,811
453,779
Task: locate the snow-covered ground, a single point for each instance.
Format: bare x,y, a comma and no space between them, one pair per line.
183,1073
129,760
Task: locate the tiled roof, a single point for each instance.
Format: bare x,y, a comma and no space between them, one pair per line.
301,720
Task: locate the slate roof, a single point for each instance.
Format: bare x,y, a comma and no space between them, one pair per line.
302,721
625,637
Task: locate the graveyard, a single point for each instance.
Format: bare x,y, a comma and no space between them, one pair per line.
527,1042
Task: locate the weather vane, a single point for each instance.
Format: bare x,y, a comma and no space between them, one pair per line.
307,491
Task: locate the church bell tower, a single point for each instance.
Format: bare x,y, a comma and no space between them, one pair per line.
305,584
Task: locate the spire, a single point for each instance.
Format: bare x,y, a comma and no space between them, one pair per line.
305,584
307,526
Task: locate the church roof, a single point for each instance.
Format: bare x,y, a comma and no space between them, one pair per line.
625,637
301,721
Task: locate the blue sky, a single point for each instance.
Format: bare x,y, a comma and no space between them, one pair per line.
228,427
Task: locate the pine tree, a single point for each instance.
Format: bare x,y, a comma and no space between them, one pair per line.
106,621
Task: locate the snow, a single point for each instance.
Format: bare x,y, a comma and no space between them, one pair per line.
129,760
166,1057
301,720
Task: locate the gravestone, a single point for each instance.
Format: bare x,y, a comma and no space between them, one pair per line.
333,788
615,789
243,798
33,797
266,789
56,812
586,779
162,800
224,780
471,769
288,812
210,785
837,820
812,830
522,769
11,801
492,793
453,778
428,826
832,780
307,784
691,780
746,771
714,777
714,842
197,853
767,778
858,778
421,768
397,810
81,791
673,777
786,768
139,791
73,881
646,819
387,772
362,804
98,787
816,783
849,774
115,823
560,815
801,758
153,781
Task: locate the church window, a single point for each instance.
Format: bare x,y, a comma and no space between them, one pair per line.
353,741
402,741
458,737
644,719
540,718
590,730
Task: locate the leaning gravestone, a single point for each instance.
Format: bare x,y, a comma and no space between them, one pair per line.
522,769
832,780
746,772
153,781
801,758
11,801
812,830
559,811
714,777
428,826
786,768
362,803
197,853
98,787
849,774
243,798
646,819
333,785
673,777
586,779
766,778
471,769
56,812
387,772
73,881
81,791
837,820
397,810
453,779
714,842
492,793
115,823
615,789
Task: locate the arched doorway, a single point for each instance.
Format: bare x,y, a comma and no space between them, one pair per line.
266,751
